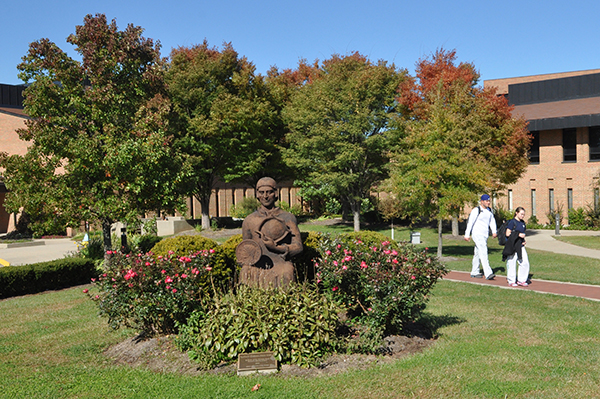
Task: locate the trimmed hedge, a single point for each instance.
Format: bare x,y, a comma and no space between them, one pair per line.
39,277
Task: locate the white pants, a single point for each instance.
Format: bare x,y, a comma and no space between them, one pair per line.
511,268
481,255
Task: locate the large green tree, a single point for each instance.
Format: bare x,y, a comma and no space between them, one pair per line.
458,141
224,120
337,121
99,150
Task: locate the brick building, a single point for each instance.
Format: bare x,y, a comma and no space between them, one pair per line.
12,117
563,111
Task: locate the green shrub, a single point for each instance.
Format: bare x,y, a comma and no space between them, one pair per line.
152,295
244,208
39,277
183,245
383,286
147,242
222,269
577,218
299,325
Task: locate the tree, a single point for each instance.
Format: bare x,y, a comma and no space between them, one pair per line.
457,141
224,122
337,121
98,130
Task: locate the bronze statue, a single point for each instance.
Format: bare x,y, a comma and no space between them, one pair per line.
270,238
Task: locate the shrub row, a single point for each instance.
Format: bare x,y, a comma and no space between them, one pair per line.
39,277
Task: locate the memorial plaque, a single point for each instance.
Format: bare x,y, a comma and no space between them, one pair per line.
258,362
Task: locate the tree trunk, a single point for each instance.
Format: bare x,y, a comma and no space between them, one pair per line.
455,226
107,239
355,206
439,248
204,209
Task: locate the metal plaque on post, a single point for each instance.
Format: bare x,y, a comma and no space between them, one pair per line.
257,362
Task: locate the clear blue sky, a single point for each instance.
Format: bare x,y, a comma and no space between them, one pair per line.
502,38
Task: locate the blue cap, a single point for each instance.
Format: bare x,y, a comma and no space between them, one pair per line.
485,197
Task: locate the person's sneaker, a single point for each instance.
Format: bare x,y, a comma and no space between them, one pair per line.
491,277
520,284
513,284
478,275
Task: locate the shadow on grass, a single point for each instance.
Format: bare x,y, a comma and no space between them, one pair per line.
427,325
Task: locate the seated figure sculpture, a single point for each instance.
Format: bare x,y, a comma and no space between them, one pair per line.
270,238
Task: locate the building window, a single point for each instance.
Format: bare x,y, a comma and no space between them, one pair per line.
569,198
534,149
570,145
596,199
551,199
594,143
510,200
533,208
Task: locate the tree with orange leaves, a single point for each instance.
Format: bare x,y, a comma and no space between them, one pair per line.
457,141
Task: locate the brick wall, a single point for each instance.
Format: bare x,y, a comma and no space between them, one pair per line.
552,173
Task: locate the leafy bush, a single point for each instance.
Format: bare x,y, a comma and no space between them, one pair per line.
183,245
223,268
152,295
577,218
299,325
383,286
39,277
146,242
244,208
92,249
551,215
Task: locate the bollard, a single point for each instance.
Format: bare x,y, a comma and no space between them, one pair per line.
557,224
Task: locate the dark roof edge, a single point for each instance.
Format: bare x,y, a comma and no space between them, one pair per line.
564,123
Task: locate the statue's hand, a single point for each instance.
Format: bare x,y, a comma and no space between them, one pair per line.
269,243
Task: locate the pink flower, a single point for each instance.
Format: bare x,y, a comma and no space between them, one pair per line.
344,267
163,271
339,246
413,278
363,264
93,279
184,275
85,291
370,310
394,260
171,252
168,280
208,268
328,252
147,263
335,288
394,252
335,263
195,271
97,297
212,251
174,290
347,258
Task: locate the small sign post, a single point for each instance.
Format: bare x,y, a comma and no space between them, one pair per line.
257,362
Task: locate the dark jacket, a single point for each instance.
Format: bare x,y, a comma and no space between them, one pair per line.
514,243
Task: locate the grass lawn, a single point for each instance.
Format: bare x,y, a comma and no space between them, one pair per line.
493,343
591,242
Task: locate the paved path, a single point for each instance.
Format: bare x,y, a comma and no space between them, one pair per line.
544,241
550,287
44,250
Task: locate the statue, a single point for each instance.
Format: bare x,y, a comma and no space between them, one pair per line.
270,238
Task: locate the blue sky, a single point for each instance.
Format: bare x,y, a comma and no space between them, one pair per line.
502,38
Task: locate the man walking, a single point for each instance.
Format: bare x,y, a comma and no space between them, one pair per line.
481,220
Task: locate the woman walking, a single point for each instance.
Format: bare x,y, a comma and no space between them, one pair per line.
514,251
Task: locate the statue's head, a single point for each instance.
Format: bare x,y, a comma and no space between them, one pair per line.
266,191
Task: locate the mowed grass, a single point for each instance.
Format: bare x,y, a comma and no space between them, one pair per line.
493,343
591,242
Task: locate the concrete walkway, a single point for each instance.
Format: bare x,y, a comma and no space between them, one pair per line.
41,251
544,240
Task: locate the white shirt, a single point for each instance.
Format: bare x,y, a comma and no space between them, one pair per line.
479,224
